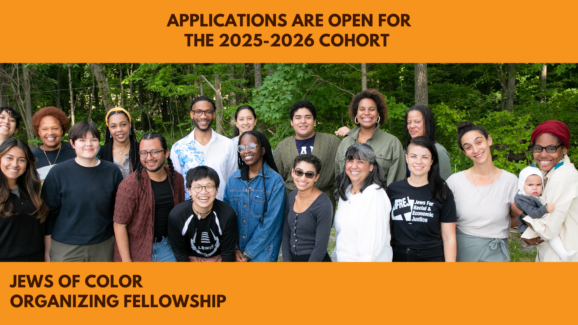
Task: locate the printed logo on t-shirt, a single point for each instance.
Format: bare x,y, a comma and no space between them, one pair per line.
304,150
206,250
411,210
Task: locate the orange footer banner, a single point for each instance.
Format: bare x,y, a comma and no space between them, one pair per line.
287,293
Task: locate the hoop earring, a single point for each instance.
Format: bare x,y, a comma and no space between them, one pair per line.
355,120
378,119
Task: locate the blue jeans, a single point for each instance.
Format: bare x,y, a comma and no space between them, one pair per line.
162,251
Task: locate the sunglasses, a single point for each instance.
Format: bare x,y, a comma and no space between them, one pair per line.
299,173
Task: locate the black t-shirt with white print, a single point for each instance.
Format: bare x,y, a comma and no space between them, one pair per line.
216,234
305,146
416,215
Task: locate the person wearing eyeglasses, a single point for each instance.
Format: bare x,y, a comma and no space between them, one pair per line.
204,230
143,203
205,147
308,215
257,193
550,144
484,196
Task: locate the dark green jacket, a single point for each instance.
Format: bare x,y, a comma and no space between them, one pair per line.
388,151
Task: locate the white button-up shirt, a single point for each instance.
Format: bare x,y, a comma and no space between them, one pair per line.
220,154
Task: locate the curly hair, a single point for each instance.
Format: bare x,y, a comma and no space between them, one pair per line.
374,95
428,121
49,111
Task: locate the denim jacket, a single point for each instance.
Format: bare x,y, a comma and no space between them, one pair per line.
259,237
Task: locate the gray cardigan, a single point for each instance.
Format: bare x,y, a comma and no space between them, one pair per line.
531,207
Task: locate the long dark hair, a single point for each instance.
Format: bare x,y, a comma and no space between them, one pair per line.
133,151
247,107
163,141
268,157
360,151
437,185
29,183
428,122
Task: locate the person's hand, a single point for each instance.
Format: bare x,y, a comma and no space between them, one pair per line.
46,257
533,241
239,256
550,207
343,131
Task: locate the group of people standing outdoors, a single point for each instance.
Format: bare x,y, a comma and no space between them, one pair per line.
210,198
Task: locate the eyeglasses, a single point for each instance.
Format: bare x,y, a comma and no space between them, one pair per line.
199,113
251,146
154,153
208,188
299,173
549,149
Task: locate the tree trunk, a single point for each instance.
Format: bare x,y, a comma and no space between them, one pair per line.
543,76
97,70
58,87
421,95
121,90
131,89
3,102
71,96
232,96
219,103
91,96
258,75
511,86
363,76
28,105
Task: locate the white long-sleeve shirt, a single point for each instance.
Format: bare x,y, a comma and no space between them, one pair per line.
362,227
220,154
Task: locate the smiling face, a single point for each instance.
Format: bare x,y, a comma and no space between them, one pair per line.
303,183
415,124
86,147
13,165
245,121
7,124
150,163
50,132
251,156
367,113
476,147
419,160
357,171
204,121
303,123
546,161
119,127
203,200
533,185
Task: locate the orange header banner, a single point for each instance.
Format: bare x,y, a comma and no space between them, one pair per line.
111,31
287,293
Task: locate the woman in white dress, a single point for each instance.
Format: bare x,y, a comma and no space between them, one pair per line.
362,218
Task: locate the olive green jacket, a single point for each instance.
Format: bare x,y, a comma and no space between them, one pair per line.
388,152
324,148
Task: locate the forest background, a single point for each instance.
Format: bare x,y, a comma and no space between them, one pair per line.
508,99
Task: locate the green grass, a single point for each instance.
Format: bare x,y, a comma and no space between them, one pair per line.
519,250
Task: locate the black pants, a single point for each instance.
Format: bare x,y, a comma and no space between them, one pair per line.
37,257
305,258
404,254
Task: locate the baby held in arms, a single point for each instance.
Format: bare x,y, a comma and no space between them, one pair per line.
529,200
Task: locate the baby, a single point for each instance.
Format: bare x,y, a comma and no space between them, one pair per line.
528,200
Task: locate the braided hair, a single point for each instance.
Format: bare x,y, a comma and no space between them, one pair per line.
163,141
133,152
268,157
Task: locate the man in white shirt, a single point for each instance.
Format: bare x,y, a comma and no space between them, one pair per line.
204,147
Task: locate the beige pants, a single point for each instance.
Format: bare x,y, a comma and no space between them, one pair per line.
101,252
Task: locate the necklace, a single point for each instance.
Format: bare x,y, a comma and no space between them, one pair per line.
125,147
477,189
54,159
204,214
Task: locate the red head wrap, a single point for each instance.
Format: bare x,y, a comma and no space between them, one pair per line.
556,128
